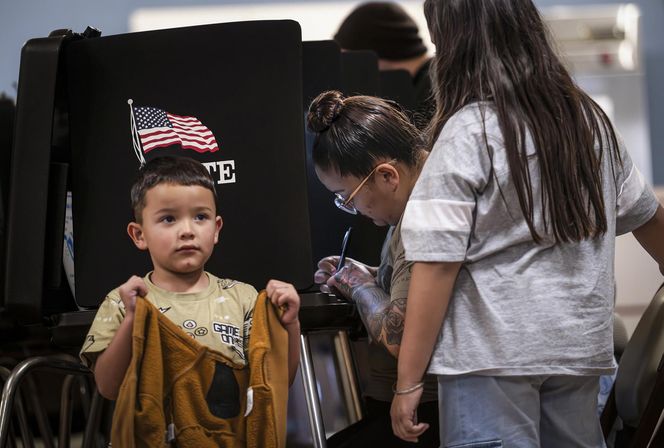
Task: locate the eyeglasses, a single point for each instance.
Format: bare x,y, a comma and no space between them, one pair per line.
346,204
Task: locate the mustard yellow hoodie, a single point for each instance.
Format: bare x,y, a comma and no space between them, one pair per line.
177,392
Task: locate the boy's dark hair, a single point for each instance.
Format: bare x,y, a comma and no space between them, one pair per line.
168,170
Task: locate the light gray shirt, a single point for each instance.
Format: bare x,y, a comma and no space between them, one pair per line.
517,308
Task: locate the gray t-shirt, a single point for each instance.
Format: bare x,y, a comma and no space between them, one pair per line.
393,278
517,308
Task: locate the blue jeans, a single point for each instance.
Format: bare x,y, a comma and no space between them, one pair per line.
519,412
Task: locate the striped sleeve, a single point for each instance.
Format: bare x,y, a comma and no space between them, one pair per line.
439,216
636,202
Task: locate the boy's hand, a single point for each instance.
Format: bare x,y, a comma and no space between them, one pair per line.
131,289
327,267
283,295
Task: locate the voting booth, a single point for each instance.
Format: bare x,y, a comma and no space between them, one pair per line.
90,110
6,129
325,67
208,84
397,85
197,92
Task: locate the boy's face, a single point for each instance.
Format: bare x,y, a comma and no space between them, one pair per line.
179,228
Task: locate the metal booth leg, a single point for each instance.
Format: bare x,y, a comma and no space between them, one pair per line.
311,394
349,383
94,419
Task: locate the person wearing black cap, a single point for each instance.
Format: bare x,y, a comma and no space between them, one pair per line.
386,29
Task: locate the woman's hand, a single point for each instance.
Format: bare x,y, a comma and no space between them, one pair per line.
404,416
352,274
350,277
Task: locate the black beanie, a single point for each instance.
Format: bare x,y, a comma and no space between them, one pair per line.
383,27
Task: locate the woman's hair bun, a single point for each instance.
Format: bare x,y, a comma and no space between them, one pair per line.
324,109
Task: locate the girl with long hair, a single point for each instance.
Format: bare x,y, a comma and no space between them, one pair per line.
511,227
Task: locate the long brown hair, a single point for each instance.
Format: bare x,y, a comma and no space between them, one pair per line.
499,51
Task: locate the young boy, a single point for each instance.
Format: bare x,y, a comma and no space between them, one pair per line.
174,207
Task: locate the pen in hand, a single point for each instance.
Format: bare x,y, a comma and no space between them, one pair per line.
342,259
344,246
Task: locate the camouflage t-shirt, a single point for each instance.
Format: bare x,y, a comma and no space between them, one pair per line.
219,317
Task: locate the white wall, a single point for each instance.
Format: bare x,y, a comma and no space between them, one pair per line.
319,19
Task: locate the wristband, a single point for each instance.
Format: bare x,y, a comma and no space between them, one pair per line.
407,390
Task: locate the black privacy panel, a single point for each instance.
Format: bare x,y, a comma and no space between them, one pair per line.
7,110
242,83
397,85
359,71
323,70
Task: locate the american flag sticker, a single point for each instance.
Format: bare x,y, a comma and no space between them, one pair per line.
154,128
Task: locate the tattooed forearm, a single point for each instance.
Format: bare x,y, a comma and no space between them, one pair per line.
395,318
384,320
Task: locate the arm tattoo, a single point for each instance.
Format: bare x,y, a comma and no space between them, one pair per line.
395,318
383,319
350,278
